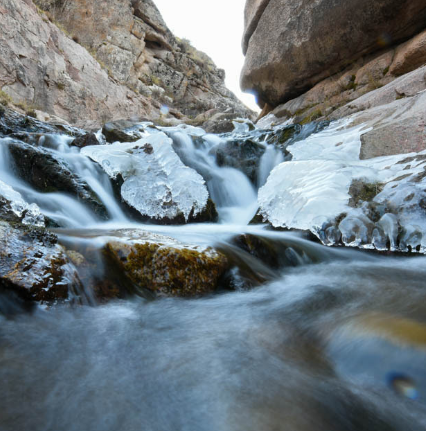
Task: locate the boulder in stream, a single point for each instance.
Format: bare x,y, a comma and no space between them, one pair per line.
155,181
166,266
34,265
48,173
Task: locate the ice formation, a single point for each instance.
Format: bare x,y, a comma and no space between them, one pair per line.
313,192
30,213
156,182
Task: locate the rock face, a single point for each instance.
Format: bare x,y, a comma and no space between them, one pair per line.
292,45
90,62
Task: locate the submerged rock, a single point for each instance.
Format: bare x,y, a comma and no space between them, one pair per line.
166,266
241,154
33,265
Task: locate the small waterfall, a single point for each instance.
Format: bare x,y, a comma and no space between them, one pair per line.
231,190
330,339
271,158
62,208
89,172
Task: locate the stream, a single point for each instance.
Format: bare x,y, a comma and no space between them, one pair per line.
328,339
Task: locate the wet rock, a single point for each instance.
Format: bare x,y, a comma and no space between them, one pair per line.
101,276
85,140
33,265
14,209
281,136
360,192
47,174
221,122
23,127
242,154
166,266
117,131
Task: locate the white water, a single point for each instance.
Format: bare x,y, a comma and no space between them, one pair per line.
231,191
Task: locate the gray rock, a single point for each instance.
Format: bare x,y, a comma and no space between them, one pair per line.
137,53
297,44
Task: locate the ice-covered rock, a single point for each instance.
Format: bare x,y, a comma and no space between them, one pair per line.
305,194
376,203
156,182
12,203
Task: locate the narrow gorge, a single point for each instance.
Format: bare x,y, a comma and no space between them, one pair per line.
170,260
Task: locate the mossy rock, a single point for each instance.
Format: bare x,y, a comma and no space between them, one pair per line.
283,135
167,267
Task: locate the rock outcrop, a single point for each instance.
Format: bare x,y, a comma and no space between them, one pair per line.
291,46
92,62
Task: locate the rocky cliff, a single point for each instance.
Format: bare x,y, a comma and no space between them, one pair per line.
292,45
89,62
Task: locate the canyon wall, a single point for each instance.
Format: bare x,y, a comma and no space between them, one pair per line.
291,46
90,62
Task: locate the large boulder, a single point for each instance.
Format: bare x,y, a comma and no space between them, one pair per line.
292,45
165,266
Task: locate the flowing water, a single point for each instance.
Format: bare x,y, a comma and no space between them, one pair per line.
328,340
